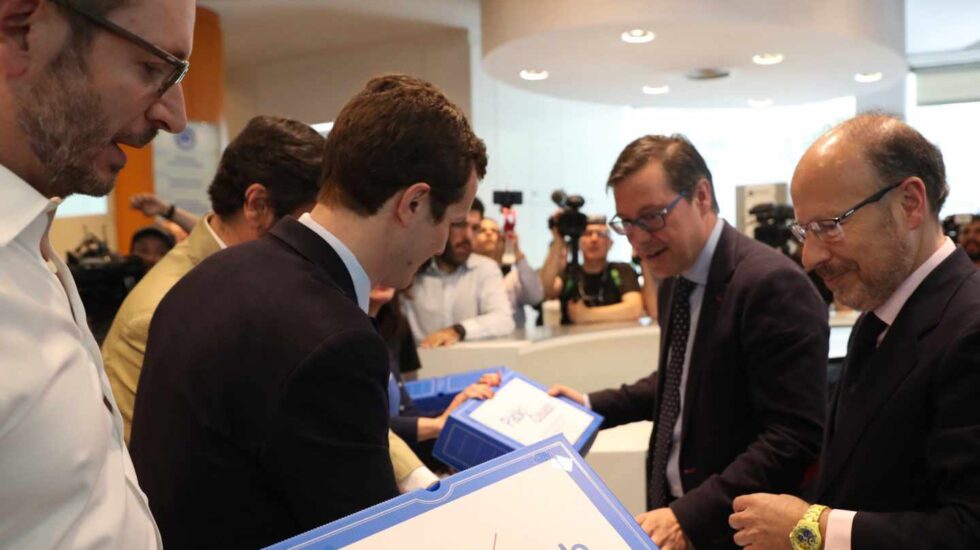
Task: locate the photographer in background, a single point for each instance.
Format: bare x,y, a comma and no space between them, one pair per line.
525,286
969,239
602,291
150,244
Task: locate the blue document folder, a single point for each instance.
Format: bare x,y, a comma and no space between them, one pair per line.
433,395
541,496
520,414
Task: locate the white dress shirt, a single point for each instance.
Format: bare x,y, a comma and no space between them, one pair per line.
214,234
473,296
66,479
362,283
698,273
523,289
840,522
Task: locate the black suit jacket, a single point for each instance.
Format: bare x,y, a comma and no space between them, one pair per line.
755,398
907,454
262,403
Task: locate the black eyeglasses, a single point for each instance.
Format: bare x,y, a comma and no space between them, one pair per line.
162,79
648,222
830,229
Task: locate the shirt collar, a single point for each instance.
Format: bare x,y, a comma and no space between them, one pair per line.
698,273
433,268
362,283
217,239
889,310
20,204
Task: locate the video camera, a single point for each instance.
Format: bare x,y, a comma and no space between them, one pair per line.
103,278
774,225
570,222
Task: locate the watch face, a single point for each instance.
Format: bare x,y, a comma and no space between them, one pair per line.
804,538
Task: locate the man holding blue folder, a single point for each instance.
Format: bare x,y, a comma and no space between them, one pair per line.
738,398
262,410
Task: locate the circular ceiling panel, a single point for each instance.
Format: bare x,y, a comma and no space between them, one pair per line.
702,58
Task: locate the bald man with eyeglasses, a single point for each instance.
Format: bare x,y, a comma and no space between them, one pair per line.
898,466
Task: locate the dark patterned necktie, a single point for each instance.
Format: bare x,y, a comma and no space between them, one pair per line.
670,399
863,345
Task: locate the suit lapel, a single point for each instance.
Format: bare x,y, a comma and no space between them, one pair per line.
720,273
887,369
891,364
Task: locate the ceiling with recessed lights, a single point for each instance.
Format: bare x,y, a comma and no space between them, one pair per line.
704,53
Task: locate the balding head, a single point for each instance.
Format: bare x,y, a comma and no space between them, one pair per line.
894,150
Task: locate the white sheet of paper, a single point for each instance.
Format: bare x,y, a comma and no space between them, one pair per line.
527,414
541,507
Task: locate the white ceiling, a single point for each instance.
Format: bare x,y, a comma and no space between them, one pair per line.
594,64
264,30
824,43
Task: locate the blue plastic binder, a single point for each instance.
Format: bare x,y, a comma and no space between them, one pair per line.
541,496
433,395
471,437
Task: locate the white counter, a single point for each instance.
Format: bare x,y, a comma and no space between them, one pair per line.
587,358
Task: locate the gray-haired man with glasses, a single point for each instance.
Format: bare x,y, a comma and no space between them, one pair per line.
78,79
738,398
898,467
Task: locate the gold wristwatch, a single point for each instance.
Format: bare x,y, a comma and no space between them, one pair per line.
806,534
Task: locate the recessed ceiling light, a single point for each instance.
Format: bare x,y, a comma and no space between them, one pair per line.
767,58
865,78
656,90
533,74
760,103
638,36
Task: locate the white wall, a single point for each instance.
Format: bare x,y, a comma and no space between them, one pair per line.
952,127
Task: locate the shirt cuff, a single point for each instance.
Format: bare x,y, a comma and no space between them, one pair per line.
588,402
420,478
839,524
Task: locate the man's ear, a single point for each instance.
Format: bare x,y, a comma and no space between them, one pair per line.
702,192
914,202
257,208
414,201
17,21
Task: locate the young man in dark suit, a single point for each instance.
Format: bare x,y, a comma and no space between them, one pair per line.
901,453
739,397
262,410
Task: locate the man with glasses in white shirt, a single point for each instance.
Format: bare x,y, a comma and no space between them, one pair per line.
77,80
898,467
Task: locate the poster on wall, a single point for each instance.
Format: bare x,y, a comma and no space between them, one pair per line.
184,165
